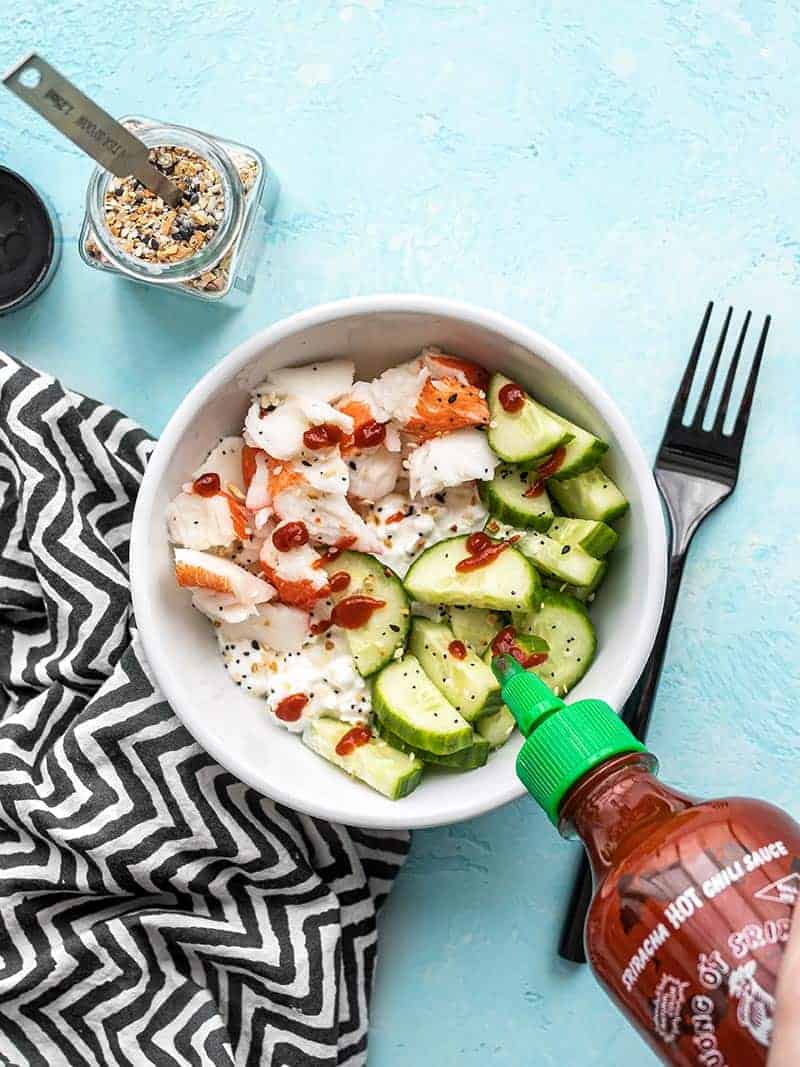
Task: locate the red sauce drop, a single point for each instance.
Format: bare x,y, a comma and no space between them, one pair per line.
369,434
249,463
207,485
355,611
457,649
320,627
398,516
353,739
291,708
482,551
512,397
536,489
551,465
290,535
505,644
323,436
339,581
547,470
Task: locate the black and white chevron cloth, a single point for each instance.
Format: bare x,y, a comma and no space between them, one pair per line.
153,909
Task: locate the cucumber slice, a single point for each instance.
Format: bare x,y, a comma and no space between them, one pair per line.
475,626
408,703
525,435
582,453
504,497
584,593
468,684
496,728
569,563
466,759
374,644
591,495
593,537
377,763
508,583
565,624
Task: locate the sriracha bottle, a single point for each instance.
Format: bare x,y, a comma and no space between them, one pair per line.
692,900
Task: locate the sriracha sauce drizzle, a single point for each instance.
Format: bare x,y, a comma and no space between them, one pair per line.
207,484
505,644
339,581
482,551
290,535
369,434
291,708
353,739
355,611
511,397
547,470
323,436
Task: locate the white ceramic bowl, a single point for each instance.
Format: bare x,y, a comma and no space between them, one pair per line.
377,332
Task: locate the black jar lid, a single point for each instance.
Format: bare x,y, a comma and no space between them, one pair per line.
27,242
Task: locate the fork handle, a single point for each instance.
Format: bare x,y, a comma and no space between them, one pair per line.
636,714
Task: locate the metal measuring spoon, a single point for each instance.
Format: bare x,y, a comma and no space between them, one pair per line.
87,125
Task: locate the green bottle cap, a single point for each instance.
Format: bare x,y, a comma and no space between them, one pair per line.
563,741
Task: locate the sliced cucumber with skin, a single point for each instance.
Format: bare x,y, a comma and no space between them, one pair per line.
593,537
468,684
525,435
563,622
504,497
375,643
475,626
508,583
568,563
377,763
583,593
466,759
408,704
582,453
591,495
497,727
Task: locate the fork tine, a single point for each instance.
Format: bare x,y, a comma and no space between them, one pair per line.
679,404
749,391
708,384
724,399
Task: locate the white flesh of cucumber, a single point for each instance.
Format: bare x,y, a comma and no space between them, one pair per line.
568,563
563,622
525,435
408,704
377,763
508,583
373,644
591,495
593,537
468,684
504,497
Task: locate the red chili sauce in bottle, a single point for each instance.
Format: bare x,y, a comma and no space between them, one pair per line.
693,899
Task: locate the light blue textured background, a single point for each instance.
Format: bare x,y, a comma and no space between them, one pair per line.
598,171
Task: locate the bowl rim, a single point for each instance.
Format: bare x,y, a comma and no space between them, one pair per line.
242,355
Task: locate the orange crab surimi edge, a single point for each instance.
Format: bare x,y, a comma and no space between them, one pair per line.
200,578
239,516
446,404
297,594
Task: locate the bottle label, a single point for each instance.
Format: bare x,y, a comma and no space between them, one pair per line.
699,947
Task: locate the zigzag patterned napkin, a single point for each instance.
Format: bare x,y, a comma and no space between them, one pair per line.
153,908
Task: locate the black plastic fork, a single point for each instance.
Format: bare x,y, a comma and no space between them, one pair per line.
696,469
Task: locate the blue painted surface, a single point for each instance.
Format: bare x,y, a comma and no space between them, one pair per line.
598,171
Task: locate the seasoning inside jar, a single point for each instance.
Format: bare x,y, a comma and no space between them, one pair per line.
208,247
144,226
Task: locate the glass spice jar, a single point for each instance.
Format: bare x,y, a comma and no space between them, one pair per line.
211,247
